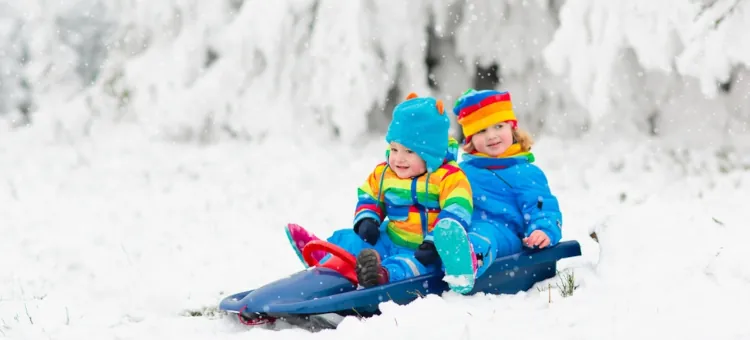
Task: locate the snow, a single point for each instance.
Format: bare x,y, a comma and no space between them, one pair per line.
687,40
120,237
457,280
171,141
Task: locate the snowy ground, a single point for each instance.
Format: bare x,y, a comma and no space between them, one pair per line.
120,238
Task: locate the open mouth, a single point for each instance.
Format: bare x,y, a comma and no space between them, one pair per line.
402,167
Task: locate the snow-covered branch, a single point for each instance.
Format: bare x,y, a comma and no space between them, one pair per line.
199,69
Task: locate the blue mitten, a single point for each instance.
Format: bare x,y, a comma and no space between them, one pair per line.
368,229
427,253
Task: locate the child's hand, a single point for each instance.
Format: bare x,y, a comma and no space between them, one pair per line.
369,230
427,253
537,238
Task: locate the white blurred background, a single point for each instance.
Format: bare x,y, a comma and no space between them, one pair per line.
206,70
151,152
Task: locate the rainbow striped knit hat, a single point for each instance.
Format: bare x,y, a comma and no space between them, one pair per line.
478,110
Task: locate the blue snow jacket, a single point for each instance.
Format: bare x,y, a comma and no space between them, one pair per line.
512,193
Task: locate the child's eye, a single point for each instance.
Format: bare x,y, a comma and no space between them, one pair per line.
481,131
409,151
394,150
499,126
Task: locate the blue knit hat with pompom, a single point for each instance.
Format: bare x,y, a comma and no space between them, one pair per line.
420,124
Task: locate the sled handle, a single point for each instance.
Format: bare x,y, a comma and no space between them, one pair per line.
340,261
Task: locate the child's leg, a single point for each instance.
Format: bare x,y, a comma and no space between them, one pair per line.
457,255
483,239
491,242
404,266
508,243
348,240
391,264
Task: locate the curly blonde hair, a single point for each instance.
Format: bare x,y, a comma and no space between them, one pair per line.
520,135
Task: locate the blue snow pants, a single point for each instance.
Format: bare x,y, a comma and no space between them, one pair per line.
399,261
492,241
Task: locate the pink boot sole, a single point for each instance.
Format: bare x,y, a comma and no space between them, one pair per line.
474,262
299,237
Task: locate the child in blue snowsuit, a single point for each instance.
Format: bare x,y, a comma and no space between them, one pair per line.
513,205
413,210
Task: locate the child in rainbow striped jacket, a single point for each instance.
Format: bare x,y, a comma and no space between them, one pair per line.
513,202
414,209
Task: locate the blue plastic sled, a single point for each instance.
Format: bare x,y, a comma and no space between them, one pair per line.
299,298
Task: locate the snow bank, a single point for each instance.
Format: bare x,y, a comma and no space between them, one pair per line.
125,238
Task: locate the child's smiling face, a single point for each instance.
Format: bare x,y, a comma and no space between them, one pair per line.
404,162
494,140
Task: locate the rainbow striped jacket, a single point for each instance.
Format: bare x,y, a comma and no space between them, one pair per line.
411,207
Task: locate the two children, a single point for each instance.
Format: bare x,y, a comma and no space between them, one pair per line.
414,209
512,199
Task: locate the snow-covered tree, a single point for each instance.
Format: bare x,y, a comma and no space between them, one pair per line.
245,69
15,100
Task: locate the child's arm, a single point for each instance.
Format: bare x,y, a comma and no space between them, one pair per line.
540,208
369,202
456,203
